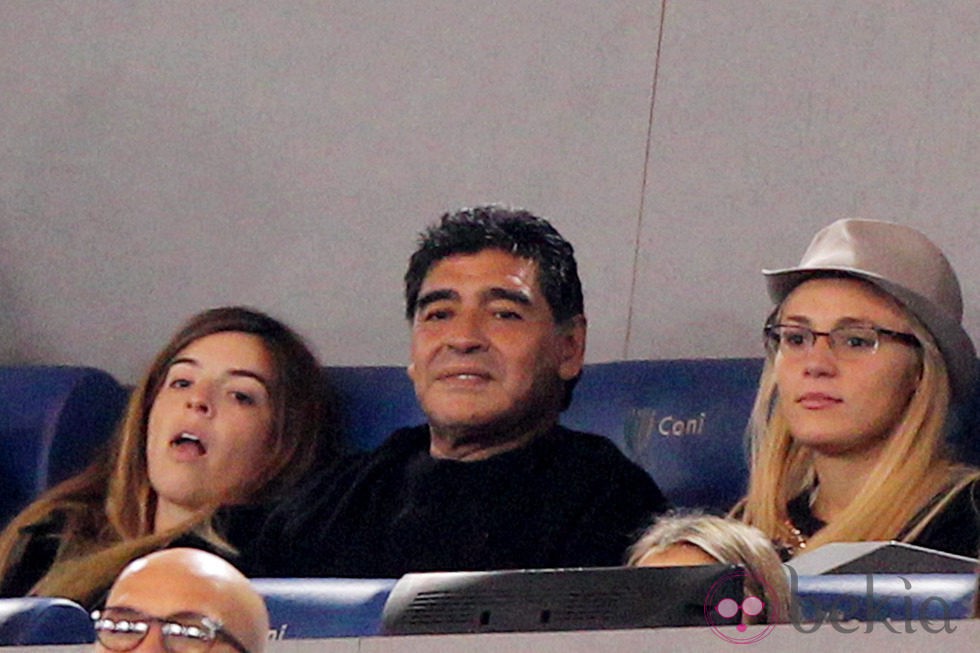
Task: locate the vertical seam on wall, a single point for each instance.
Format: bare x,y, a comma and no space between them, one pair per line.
643,182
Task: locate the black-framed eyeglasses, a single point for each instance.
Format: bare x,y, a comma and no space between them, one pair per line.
122,629
847,343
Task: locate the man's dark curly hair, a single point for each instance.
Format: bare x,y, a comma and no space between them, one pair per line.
515,231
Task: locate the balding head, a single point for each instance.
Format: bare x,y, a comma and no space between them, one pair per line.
177,581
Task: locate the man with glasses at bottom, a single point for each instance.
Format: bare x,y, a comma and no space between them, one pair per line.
182,601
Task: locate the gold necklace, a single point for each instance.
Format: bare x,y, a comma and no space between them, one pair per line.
798,540
797,543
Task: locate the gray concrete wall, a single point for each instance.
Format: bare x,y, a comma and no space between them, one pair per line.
157,158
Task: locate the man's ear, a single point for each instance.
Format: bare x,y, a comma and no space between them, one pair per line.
410,370
571,350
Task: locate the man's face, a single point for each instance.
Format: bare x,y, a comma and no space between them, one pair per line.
164,589
486,352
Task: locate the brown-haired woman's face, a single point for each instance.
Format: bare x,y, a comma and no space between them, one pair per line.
210,425
844,401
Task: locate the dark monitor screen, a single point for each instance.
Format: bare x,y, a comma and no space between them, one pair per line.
559,599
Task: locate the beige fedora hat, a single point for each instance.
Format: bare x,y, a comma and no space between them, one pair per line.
906,265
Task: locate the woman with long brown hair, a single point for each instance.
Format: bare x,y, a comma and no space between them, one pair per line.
229,416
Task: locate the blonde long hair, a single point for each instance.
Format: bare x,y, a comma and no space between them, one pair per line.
913,468
727,541
108,509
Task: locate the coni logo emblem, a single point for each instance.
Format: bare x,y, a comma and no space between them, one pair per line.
642,424
719,609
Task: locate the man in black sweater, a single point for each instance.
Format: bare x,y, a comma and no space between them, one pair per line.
492,481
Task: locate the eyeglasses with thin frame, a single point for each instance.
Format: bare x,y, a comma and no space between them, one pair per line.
122,629
847,342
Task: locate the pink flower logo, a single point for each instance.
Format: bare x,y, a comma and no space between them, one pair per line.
719,610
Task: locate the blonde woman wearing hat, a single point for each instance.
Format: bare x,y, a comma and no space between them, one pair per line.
866,354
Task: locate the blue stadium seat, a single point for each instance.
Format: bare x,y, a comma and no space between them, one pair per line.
965,432
310,608
43,621
876,597
681,420
52,419
374,401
